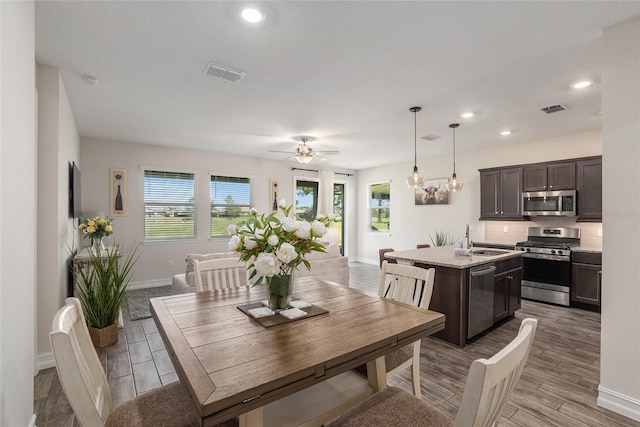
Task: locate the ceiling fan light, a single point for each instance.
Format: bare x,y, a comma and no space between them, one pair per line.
303,158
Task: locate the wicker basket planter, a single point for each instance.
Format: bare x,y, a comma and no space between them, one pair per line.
105,336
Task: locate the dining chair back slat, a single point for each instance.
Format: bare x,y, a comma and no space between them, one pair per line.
491,381
408,284
79,369
217,274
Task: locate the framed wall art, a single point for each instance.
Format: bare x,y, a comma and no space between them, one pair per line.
118,192
433,192
274,194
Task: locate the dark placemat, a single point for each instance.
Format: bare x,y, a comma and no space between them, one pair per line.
278,319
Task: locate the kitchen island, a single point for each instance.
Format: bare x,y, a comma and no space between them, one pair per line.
458,291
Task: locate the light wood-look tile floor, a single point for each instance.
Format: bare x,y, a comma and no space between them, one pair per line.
558,386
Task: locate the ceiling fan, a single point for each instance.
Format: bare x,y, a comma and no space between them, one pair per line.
304,154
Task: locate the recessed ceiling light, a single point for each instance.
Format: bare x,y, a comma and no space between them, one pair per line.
467,115
252,15
90,80
505,132
582,84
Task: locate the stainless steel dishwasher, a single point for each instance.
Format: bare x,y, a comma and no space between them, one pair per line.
481,287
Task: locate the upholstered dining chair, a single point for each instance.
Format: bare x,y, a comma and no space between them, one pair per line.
422,245
410,285
222,273
489,385
85,383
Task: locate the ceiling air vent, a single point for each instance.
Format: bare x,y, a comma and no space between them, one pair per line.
223,72
553,108
430,137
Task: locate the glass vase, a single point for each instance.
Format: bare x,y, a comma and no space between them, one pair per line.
96,245
279,290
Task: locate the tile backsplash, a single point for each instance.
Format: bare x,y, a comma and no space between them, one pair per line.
511,232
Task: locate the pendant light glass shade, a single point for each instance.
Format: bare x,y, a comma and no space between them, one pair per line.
415,180
454,183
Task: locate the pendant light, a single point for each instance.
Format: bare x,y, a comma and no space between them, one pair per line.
454,184
415,180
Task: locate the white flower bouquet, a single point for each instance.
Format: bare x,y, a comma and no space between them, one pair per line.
277,243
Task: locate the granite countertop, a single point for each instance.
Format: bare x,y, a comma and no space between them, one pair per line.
443,256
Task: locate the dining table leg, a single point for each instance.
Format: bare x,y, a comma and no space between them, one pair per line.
253,418
377,374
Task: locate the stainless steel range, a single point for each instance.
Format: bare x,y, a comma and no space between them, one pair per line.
546,263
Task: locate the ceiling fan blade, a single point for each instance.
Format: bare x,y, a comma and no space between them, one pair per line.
285,152
324,153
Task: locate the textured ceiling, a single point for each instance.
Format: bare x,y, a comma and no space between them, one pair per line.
345,73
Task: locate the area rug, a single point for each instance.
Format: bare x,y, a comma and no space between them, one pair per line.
138,300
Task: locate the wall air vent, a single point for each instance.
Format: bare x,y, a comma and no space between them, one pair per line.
430,137
222,72
553,108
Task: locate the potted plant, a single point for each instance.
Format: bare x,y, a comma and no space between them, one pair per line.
101,290
442,239
275,245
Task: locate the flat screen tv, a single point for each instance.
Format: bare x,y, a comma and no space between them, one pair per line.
74,191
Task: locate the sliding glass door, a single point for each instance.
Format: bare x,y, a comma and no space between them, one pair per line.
307,205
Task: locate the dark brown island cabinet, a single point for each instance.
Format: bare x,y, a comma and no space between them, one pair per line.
506,296
586,280
501,194
550,177
451,296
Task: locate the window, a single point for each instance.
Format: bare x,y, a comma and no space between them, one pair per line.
379,207
230,202
169,205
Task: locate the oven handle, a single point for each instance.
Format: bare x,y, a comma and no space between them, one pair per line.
549,257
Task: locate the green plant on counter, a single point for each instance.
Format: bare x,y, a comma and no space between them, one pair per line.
442,239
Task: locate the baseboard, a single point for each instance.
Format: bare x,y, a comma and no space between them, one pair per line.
149,283
619,403
45,361
368,261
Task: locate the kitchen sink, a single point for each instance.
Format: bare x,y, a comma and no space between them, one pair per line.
488,252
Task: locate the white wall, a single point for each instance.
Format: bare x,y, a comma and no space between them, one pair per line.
620,352
98,156
412,224
17,213
58,145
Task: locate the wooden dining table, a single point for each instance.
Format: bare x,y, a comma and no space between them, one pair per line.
233,366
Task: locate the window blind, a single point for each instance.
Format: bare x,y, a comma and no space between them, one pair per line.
169,205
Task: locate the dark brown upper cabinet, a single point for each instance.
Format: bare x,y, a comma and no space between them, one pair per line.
501,194
550,177
590,190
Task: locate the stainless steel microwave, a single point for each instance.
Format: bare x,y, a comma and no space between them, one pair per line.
549,203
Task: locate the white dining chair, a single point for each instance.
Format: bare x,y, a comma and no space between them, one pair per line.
86,387
222,273
410,285
488,388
